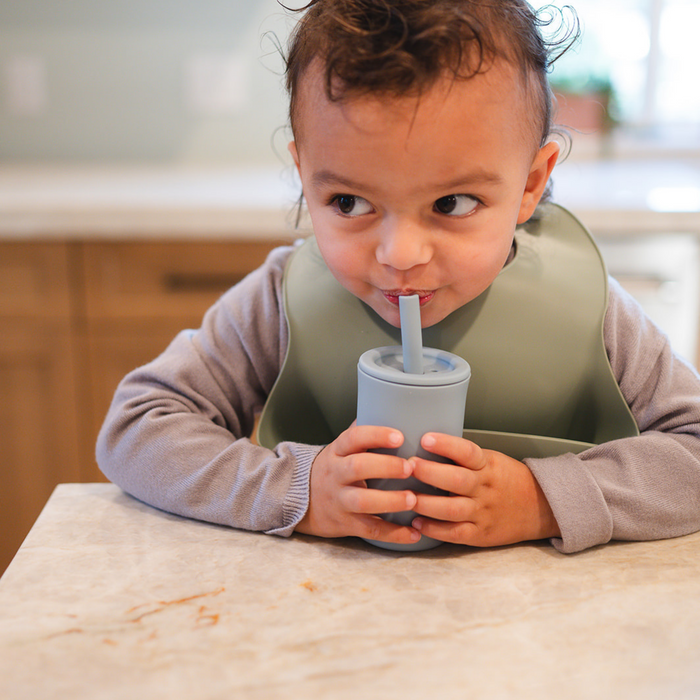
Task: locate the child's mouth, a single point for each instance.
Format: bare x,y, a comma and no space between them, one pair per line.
392,296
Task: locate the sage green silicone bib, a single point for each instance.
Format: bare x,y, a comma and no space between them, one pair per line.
541,383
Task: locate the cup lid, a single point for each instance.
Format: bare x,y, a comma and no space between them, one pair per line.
439,366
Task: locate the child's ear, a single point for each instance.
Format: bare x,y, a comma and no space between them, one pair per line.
540,171
292,148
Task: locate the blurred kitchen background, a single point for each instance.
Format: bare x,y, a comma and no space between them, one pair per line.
143,170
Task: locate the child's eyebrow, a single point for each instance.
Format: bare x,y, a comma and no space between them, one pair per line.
477,177
325,178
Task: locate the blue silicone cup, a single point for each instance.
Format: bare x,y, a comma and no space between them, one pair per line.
415,404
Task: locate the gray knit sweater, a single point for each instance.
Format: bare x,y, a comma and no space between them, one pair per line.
174,435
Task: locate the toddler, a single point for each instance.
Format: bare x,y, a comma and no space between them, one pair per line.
422,136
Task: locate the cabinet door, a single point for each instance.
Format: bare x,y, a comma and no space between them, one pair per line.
38,411
38,426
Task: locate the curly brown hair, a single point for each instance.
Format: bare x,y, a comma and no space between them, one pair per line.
400,47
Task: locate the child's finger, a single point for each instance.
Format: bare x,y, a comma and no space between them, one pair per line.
453,478
455,509
458,532
373,501
366,437
371,527
368,465
456,449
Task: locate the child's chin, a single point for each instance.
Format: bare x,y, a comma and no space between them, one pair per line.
392,317
386,311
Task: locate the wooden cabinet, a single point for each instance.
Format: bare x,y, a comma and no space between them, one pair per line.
75,317
38,419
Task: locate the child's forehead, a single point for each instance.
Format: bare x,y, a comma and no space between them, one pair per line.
501,85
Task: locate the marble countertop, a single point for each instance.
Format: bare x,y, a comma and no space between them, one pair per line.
147,202
110,201
109,599
630,196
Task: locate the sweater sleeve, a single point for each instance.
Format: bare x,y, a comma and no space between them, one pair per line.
639,488
176,433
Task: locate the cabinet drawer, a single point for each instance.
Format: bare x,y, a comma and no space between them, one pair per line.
138,280
34,280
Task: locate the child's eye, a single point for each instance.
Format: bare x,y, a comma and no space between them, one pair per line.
351,205
456,205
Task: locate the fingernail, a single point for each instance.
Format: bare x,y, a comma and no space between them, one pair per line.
411,500
417,524
428,441
408,466
415,536
395,439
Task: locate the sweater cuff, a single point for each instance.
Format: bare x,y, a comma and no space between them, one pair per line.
576,501
296,502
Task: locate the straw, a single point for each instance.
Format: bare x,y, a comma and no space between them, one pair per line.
411,336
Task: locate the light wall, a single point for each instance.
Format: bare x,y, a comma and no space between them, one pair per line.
142,80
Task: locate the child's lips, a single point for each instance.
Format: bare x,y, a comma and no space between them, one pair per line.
392,296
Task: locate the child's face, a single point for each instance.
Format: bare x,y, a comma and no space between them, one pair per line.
420,197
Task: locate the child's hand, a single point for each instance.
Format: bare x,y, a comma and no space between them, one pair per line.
495,500
340,503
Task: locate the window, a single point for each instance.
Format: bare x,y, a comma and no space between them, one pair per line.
646,52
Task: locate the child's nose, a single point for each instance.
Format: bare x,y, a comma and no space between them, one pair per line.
403,245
